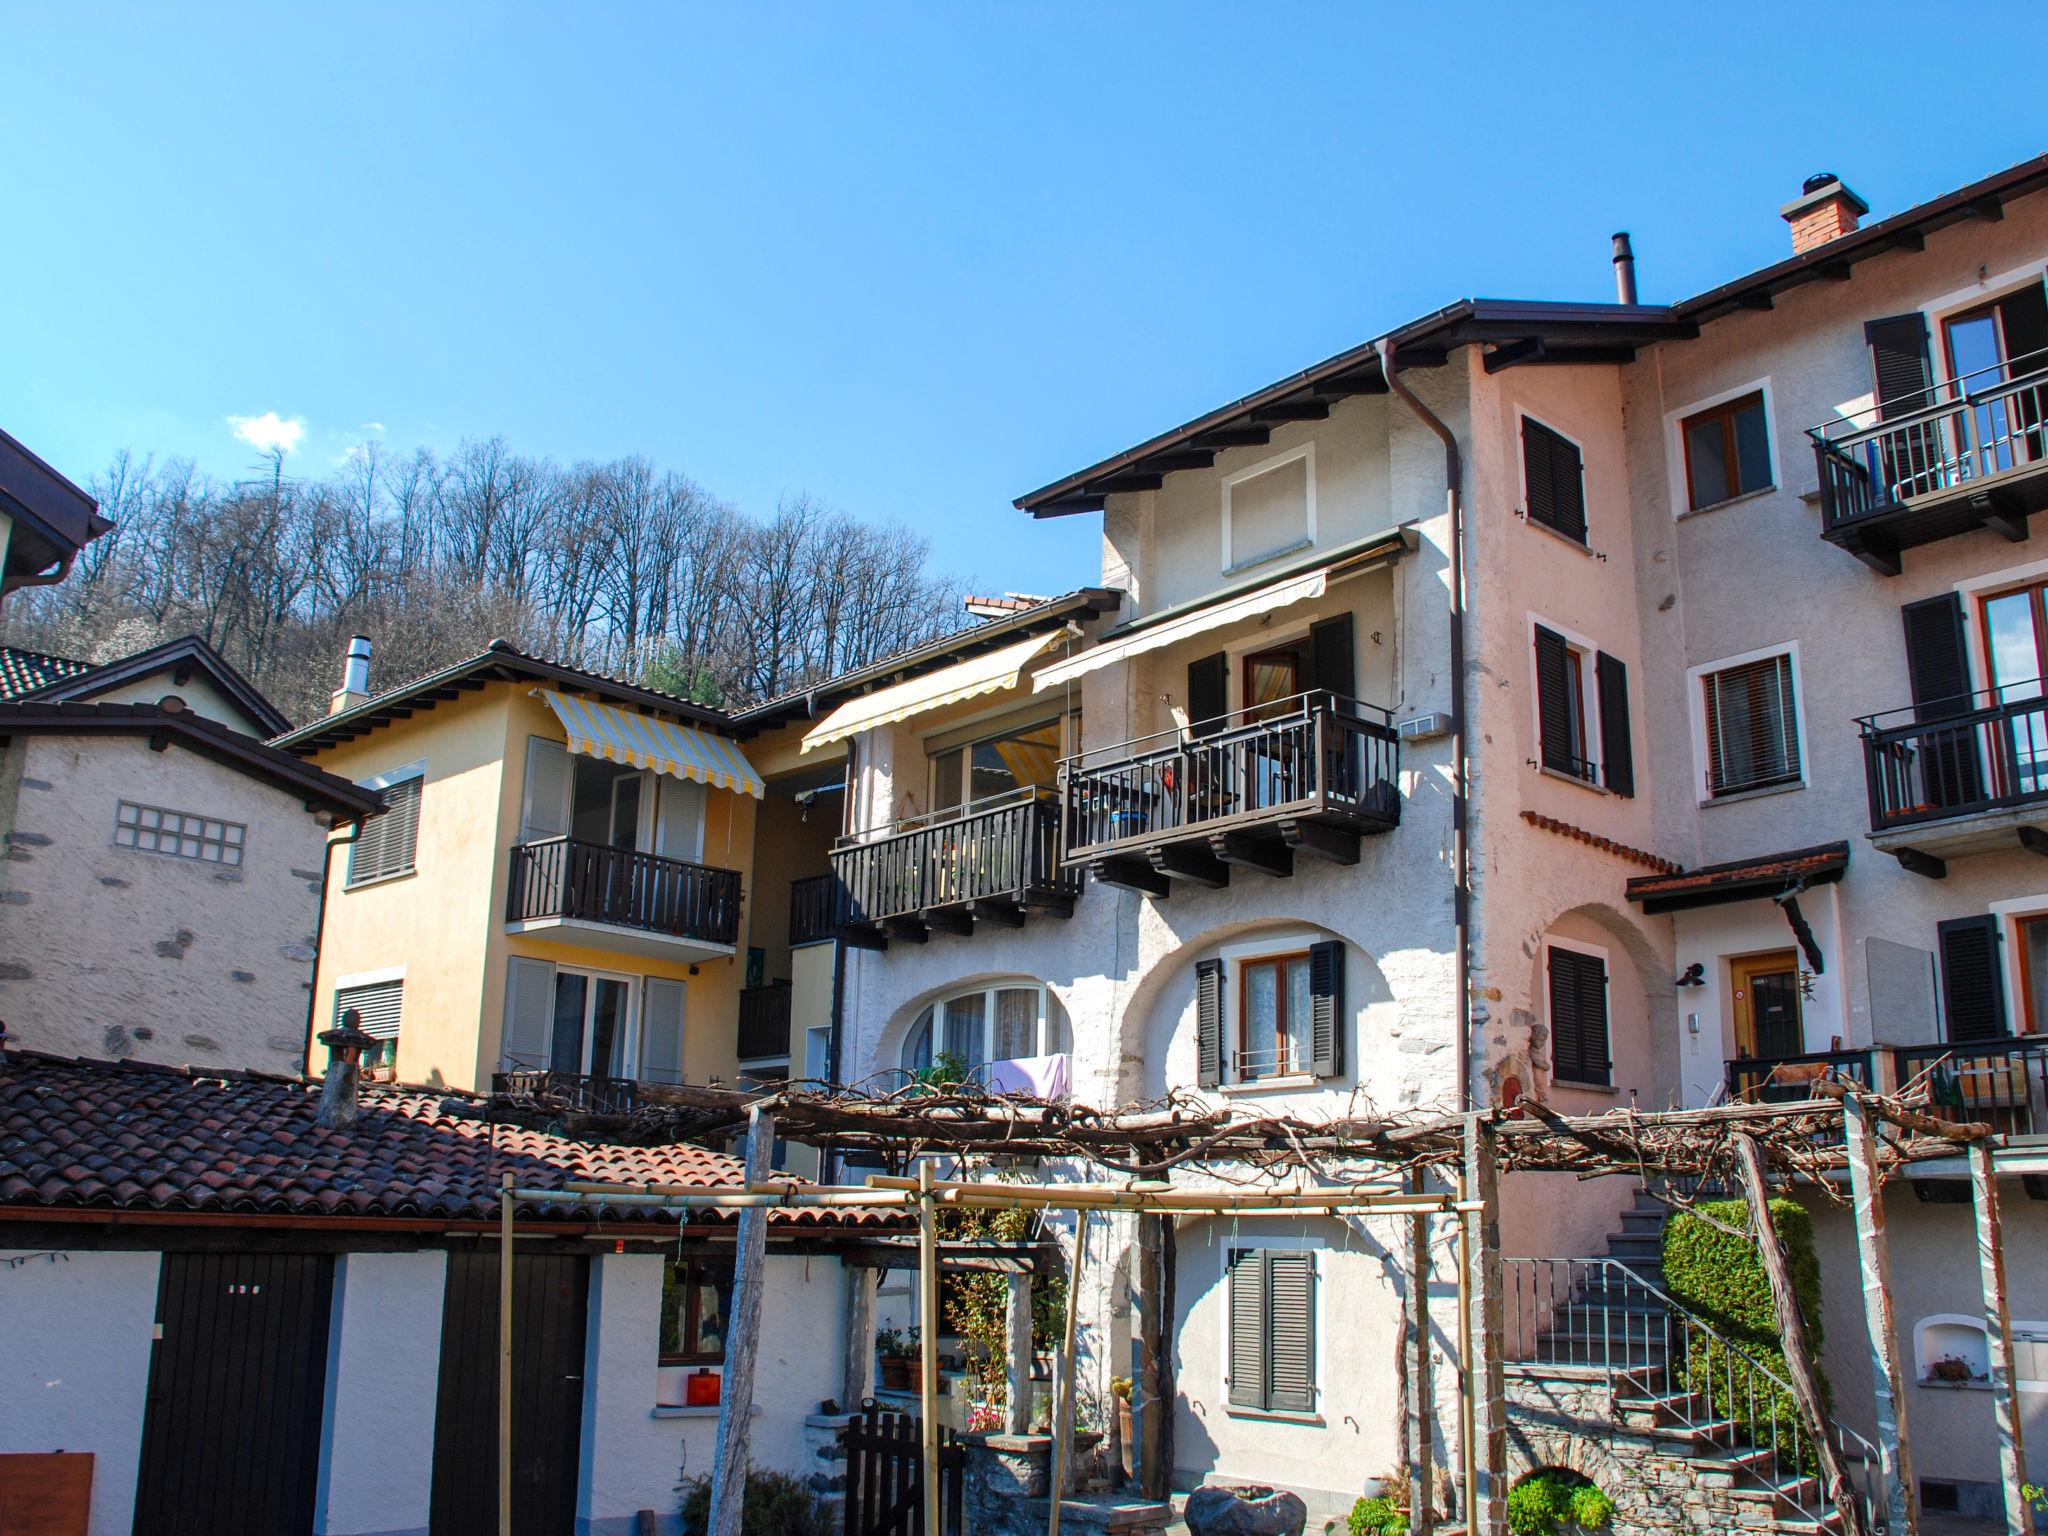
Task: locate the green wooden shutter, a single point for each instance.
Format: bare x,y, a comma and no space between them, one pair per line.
1555,479
1209,1023
1578,1016
1617,747
1972,978
1938,671
1246,1300
1595,1064
1208,693
1326,1007
1290,1331
1554,703
1333,657
529,1015
1899,365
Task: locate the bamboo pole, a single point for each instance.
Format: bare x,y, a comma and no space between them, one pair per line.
1421,1394
1799,1363
1887,1376
729,1456
1488,1514
928,1318
2012,1450
505,1357
1063,1407
1468,1458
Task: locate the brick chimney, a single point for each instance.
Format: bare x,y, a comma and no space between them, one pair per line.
355,677
1824,210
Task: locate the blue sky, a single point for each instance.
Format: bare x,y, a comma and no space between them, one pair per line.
916,260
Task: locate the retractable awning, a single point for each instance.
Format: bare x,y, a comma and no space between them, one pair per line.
1281,594
646,741
986,673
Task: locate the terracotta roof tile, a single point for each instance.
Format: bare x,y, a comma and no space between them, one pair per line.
1814,865
118,1136
25,671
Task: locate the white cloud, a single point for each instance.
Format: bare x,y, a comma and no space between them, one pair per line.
373,426
269,432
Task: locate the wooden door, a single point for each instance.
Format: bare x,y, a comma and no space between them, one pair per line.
550,1295
231,1433
1766,998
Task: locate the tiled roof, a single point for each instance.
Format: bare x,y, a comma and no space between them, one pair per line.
25,671
129,1137
1744,877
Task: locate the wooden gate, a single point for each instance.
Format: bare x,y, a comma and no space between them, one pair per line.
885,1475
231,1433
550,1297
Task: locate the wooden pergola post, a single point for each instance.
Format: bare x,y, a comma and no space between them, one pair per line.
1153,1391
858,1384
1488,1501
729,1457
2012,1450
928,1335
1063,1404
1017,1349
1887,1378
1416,1359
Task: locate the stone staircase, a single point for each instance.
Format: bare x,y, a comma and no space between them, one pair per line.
1597,1393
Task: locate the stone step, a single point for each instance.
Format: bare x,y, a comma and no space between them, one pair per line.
1637,1219
1623,1246
1107,1512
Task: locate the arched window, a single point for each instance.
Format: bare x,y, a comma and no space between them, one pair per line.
996,1021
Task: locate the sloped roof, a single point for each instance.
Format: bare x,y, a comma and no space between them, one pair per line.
1740,879
78,1134
24,672
185,654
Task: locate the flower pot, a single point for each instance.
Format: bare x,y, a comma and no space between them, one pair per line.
899,1373
1126,1446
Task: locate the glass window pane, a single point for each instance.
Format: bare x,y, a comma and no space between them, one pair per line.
2015,656
1298,1050
946,780
1016,1023
1261,1019
608,1028
565,1052
963,1031
714,1299
2034,941
917,1050
1706,461
1753,447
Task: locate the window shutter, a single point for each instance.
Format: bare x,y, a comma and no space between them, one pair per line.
1291,1331
1937,657
1616,746
1972,978
378,1007
1556,480
529,1015
1565,1031
1326,1007
1246,1300
1208,694
1595,1065
546,809
1209,1023
1899,366
661,1031
1554,702
1333,658
387,843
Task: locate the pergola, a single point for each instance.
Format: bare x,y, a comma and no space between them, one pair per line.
1359,1164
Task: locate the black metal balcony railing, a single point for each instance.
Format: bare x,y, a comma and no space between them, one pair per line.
1987,751
999,851
764,1021
1791,1079
564,877
592,1094
813,908
2003,1083
1315,756
1967,435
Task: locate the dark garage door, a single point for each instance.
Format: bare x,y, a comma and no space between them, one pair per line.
231,1435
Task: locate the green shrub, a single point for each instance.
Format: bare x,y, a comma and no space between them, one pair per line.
1377,1517
1720,1277
776,1505
1591,1509
1554,1502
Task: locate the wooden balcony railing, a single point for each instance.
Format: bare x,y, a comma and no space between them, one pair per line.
996,858
565,877
2002,1083
1316,758
764,1021
1983,751
813,909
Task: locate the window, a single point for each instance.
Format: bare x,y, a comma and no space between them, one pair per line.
2031,945
1727,451
1972,978
1005,1021
1578,1015
1023,758
386,844
592,1023
1553,480
696,1295
1270,508
1272,1018
1280,1014
1270,1349
1751,717
1566,718
379,1007
181,834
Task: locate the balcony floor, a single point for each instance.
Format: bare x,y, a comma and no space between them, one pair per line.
1205,854
620,939
1997,831
959,917
2002,503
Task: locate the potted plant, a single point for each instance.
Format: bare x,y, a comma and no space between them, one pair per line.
897,1350
1951,1368
1120,1394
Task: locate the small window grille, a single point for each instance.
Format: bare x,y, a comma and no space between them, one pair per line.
181,834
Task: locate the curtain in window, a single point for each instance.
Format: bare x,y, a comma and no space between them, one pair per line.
963,1032
1016,1032
1752,727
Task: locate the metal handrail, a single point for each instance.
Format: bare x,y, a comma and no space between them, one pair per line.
924,821
1955,756
1219,729
1941,397
1002,854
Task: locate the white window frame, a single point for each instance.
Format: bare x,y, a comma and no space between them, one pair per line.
1589,704
1674,446
988,989
237,846
1307,452
1695,680
1267,946
1524,414
1986,290
1291,1242
629,1049
369,978
2009,912
1578,947
416,769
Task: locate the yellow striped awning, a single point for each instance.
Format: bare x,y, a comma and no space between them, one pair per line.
646,741
989,672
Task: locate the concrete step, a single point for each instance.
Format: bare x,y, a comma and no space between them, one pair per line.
1637,1219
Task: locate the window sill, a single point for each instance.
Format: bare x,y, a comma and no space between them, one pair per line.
701,1411
1276,1416
1955,1386
1289,1083
1268,557
1763,793
1584,1087
1563,538
1733,501
375,880
1572,778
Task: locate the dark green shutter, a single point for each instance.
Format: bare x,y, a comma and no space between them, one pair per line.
1556,481
1208,1023
1938,670
1554,703
1290,1331
1594,1064
1326,1007
1616,745
1246,1300
1332,658
1208,694
1578,1016
1972,978
1899,365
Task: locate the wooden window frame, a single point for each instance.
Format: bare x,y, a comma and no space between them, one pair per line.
697,1268
1589,746
1724,412
2023,1021
1285,1066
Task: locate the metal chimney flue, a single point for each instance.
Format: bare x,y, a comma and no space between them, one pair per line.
1624,269
355,677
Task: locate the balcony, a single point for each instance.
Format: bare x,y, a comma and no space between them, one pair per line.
583,1092
1314,773
1975,456
764,1022
813,909
2001,1083
1973,780
992,861
616,898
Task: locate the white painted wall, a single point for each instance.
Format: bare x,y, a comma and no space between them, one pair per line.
75,1336
383,1370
